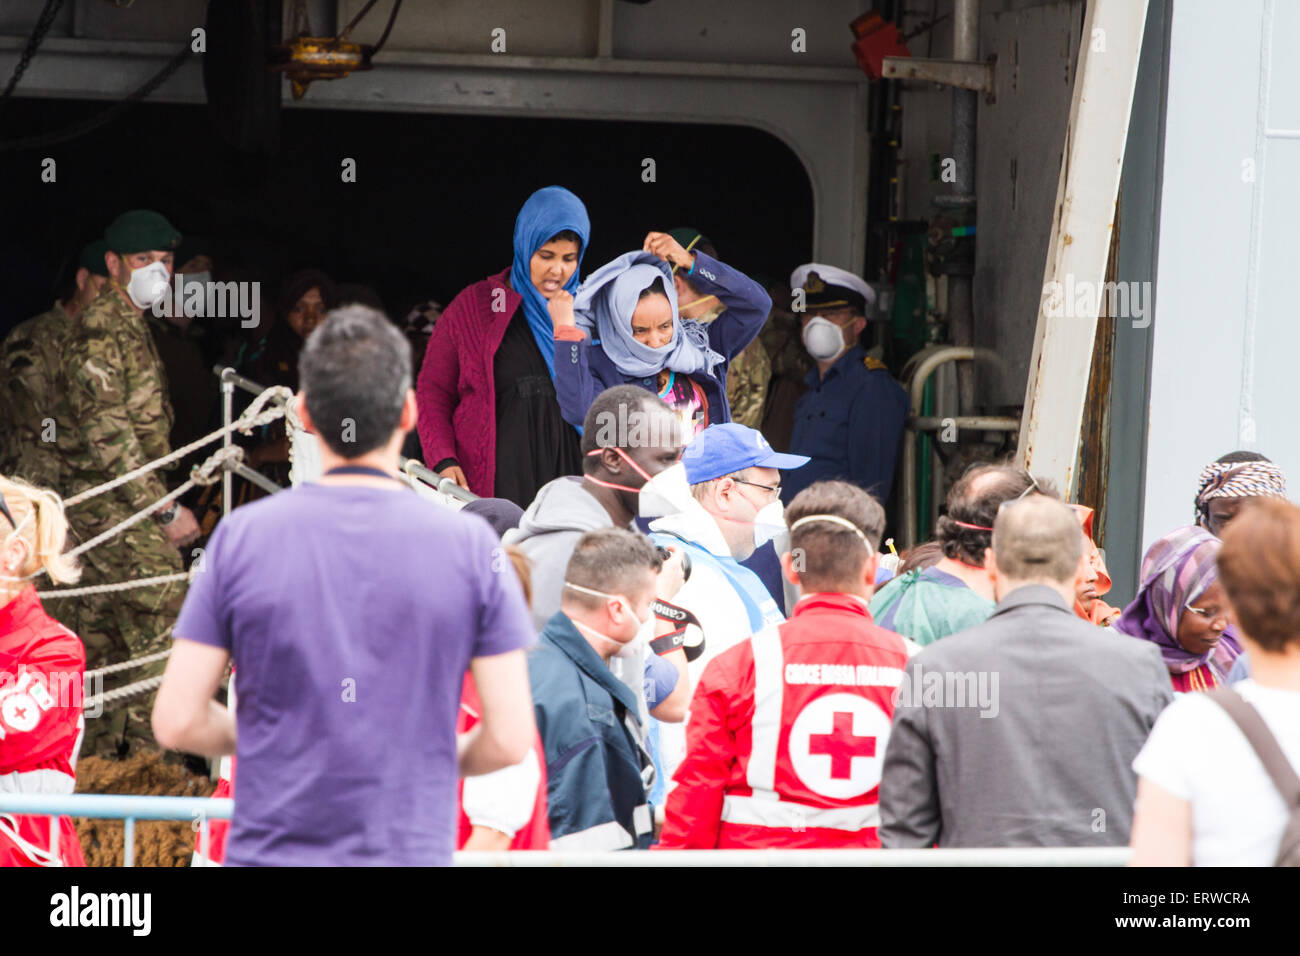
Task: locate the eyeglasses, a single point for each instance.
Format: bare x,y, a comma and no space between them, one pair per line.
775,489
4,510
1033,486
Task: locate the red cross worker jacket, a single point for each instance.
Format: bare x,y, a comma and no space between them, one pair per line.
42,666
787,735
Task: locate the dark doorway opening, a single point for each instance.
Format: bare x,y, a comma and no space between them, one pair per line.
432,209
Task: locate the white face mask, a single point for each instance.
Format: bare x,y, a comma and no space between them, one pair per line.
148,285
823,339
769,524
666,493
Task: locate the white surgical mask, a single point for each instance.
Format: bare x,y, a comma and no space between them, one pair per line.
823,339
769,524
666,493
148,284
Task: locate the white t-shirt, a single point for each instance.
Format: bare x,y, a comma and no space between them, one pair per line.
1197,753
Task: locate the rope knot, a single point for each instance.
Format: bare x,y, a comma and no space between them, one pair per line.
210,471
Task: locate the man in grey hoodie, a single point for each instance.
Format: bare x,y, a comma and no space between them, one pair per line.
628,437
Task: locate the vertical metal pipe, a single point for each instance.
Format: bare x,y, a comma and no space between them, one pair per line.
227,412
128,841
961,312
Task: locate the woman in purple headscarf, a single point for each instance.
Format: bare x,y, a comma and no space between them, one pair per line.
1182,608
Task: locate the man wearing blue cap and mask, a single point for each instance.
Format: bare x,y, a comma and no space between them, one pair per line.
733,506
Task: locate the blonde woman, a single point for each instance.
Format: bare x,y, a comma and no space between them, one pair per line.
42,666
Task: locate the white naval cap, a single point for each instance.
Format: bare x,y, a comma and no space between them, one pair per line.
829,276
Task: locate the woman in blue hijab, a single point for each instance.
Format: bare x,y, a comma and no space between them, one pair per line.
489,417
623,328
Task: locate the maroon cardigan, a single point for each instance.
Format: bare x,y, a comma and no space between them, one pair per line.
456,393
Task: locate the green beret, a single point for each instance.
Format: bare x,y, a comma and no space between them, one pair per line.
92,257
141,230
685,235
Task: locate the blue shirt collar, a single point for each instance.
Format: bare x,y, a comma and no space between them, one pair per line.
564,634
854,355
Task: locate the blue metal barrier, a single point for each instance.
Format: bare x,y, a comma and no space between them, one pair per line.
128,808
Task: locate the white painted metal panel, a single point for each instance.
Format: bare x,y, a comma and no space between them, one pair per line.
1226,330
1081,232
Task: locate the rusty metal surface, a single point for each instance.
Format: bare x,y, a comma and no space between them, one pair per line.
1094,436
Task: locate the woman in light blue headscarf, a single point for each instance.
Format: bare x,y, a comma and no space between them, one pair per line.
489,417
623,328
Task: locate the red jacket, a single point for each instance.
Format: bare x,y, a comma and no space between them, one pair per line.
787,735
42,668
456,393
218,830
536,834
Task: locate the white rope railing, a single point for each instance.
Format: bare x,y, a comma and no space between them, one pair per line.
110,588
133,662
204,474
146,686
253,417
208,473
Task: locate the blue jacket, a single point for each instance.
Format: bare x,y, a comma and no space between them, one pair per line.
850,424
595,793
583,370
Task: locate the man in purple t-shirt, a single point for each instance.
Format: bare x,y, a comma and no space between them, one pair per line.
352,609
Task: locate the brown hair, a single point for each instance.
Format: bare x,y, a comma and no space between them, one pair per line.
829,556
1259,565
924,555
973,503
610,560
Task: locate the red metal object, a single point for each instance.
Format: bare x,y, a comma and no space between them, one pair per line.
877,38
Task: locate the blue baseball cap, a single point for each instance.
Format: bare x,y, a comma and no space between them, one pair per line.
726,449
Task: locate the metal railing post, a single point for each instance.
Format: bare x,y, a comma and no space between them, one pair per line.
227,413
128,841
916,388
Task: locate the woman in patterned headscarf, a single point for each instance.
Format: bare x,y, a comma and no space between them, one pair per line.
1228,483
1181,608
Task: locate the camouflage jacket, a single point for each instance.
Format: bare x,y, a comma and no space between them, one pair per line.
117,395
782,336
747,378
35,436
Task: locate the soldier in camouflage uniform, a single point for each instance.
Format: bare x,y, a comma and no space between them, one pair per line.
117,399
782,338
748,373
34,437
